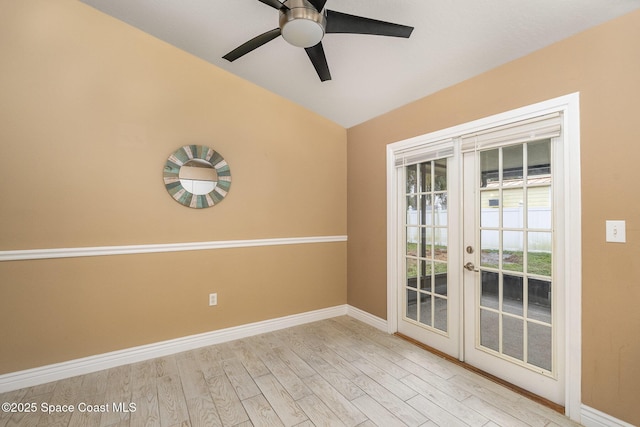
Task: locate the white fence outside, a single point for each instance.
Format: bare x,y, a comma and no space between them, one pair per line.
539,225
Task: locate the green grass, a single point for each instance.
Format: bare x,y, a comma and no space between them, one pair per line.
538,262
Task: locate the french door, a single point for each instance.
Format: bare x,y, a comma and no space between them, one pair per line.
513,317
430,304
480,249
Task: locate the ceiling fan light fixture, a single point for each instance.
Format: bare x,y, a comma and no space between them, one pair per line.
301,25
302,33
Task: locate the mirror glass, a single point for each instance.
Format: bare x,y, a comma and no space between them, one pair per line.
198,177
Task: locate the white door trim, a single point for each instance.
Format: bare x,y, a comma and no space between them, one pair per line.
569,105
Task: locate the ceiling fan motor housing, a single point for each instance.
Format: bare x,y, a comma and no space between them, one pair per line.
301,24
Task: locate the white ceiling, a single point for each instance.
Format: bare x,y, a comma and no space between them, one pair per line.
453,40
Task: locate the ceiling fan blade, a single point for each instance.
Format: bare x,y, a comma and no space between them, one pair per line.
318,4
252,44
319,61
274,4
338,22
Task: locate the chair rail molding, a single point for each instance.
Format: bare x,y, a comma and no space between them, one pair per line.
30,254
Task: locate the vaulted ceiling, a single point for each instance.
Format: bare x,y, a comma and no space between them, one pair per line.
453,40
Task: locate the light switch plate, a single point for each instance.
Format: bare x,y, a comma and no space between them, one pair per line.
616,231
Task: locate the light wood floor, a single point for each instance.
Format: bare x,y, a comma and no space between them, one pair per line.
336,372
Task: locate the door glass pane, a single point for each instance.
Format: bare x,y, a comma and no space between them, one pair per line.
412,210
440,314
440,270
512,208
490,289
539,161
539,253
425,309
426,210
539,345
490,208
512,301
489,248
425,177
412,241
440,244
513,248
489,330
489,168
512,337
411,309
539,207
412,179
512,169
539,297
426,242
425,280
412,272
440,175
440,209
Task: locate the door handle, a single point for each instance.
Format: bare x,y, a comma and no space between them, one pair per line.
469,266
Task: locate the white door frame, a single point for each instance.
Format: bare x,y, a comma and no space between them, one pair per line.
569,105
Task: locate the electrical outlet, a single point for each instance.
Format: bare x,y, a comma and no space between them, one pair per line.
213,299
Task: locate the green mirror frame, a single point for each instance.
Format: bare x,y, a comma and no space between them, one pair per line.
187,154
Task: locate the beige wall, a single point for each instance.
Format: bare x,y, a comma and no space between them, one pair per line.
603,64
90,109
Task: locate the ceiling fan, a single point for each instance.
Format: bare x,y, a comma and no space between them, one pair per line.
303,23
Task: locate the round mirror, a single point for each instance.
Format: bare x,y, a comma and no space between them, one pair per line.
196,176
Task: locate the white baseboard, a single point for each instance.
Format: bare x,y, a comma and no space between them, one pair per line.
593,418
367,318
85,365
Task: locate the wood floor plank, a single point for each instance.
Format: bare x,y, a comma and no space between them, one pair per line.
384,379
171,401
27,419
289,380
261,413
230,409
202,412
252,363
338,362
294,362
390,401
118,391
337,380
144,393
494,413
370,353
166,366
339,404
436,381
435,413
192,378
494,394
242,382
376,412
446,402
209,362
319,413
65,393
289,412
